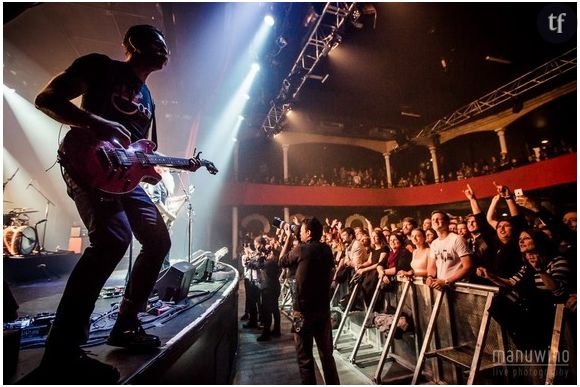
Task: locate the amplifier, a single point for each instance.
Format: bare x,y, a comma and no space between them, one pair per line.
173,283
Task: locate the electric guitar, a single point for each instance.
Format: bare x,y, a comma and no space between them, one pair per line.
101,164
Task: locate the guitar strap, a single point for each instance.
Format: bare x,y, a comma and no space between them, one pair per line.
154,127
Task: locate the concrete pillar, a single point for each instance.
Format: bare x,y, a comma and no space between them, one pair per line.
286,214
285,151
433,151
387,157
502,143
235,222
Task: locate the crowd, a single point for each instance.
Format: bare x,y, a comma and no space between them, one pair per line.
371,178
530,255
338,177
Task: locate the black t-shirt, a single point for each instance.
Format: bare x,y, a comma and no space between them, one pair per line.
314,264
115,93
376,254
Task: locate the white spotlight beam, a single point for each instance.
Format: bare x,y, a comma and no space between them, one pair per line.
321,40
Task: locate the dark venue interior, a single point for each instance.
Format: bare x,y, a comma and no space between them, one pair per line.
370,117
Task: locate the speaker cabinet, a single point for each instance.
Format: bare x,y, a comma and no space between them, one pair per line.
173,283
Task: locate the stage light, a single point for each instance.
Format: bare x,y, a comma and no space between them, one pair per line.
255,67
9,90
269,20
247,97
240,117
234,139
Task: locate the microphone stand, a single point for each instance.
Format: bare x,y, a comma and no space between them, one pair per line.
189,217
9,179
41,248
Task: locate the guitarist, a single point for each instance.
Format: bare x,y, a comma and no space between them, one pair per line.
116,106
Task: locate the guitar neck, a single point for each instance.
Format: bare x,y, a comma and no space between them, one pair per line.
166,161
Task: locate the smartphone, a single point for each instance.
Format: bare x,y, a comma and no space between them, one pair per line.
519,192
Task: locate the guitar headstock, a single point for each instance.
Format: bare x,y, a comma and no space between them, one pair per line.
211,168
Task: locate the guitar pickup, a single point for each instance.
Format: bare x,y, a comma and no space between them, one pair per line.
142,158
122,158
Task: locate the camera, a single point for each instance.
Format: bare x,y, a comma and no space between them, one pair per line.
279,223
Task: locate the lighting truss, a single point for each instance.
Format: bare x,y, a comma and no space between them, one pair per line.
322,39
546,72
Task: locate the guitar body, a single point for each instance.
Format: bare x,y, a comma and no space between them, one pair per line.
100,164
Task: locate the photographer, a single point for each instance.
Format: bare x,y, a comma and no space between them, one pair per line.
269,292
253,279
313,262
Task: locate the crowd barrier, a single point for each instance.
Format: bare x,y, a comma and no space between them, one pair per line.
455,338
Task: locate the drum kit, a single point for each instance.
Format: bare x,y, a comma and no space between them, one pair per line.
19,237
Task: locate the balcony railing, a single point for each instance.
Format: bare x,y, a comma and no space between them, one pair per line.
553,172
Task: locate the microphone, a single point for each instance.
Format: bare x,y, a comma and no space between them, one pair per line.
175,171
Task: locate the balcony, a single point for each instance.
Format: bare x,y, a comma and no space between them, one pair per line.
548,173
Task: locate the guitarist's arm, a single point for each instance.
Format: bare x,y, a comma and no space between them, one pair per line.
55,101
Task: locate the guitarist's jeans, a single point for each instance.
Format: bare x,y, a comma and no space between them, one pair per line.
110,223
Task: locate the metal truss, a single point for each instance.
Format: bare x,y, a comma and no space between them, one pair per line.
322,39
507,92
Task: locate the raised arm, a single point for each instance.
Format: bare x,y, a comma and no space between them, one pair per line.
369,225
491,211
506,194
470,195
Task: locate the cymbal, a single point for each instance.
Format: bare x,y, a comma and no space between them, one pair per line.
22,211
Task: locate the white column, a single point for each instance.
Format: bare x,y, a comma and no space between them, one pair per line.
234,232
433,151
387,157
285,151
236,161
286,214
502,143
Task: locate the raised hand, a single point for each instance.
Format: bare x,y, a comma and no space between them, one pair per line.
469,194
526,202
502,190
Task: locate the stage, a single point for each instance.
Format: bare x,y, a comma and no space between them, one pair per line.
199,335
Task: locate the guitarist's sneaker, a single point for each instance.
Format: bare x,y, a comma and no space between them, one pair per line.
134,339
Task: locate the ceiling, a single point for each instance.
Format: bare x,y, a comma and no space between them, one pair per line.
378,72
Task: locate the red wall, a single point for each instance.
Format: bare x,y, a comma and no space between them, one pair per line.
553,172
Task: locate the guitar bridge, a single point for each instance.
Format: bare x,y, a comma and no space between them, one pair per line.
104,157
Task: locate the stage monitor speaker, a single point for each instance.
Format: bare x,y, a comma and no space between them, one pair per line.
173,283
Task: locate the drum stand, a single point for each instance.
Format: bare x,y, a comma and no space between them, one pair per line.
41,248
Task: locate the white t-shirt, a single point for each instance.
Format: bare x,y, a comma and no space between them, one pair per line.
447,253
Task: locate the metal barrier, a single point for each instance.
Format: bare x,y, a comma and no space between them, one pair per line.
456,353
346,312
454,333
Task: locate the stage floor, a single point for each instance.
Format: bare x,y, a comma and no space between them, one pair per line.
177,334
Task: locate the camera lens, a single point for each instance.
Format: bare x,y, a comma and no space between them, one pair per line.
278,223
